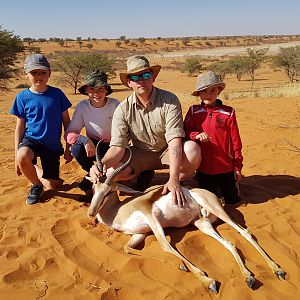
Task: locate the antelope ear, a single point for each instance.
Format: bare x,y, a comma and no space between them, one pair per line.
127,190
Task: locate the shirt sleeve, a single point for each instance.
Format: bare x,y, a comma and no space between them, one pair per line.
174,120
189,125
119,128
75,126
65,102
236,143
18,108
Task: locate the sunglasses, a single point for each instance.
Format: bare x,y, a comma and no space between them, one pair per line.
143,76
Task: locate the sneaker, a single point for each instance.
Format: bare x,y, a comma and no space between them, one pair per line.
34,194
143,181
85,185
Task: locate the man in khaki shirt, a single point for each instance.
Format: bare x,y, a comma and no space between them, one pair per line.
150,122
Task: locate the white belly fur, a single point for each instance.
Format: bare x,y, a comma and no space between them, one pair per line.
169,215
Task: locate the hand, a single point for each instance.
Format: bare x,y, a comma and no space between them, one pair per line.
202,137
238,175
90,148
177,194
18,170
95,174
68,156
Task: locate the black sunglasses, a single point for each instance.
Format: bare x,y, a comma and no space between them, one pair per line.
143,76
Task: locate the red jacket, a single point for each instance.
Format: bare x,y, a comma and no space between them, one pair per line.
222,154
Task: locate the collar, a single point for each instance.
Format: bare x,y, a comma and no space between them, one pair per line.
152,97
218,103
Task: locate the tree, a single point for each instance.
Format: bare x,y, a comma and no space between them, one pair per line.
238,65
61,42
10,47
74,67
191,66
220,68
89,46
185,41
289,60
142,40
256,57
118,44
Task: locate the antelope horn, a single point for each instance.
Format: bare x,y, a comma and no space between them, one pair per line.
109,179
99,163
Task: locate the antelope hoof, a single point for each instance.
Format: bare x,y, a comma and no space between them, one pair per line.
250,281
212,287
280,274
91,212
183,268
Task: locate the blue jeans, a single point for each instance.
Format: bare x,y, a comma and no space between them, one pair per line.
79,153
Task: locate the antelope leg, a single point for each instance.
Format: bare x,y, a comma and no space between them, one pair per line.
205,226
133,242
158,231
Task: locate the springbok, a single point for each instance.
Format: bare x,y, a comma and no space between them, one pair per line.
152,211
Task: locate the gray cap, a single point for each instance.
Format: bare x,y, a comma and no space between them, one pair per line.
36,62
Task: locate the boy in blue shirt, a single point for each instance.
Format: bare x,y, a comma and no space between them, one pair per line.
40,110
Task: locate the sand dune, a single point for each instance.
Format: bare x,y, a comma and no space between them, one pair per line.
52,251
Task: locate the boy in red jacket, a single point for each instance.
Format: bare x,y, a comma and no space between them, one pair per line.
214,126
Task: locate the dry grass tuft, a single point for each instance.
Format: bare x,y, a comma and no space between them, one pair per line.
288,90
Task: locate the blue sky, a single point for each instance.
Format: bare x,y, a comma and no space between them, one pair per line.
149,18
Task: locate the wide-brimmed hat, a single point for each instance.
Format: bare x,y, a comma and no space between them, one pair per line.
206,80
36,62
137,64
95,79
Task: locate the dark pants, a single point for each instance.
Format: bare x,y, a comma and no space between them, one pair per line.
50,160
223,185
79,153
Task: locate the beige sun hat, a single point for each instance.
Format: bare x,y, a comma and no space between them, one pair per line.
206,80
137,64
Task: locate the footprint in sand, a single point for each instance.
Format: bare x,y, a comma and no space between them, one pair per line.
30,270
73,239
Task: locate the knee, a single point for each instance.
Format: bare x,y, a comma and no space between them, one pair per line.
24,157
192,152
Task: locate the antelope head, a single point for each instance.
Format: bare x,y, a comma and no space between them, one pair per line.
102,189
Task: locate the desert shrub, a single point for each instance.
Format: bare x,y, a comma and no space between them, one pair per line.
89,46
238,65
192,65
34,49
289,60
142,40
221,69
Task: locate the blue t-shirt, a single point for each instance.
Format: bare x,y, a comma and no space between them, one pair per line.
43,115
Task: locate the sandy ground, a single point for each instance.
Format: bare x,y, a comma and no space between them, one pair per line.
53,251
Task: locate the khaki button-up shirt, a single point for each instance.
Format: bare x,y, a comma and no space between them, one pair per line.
148,128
